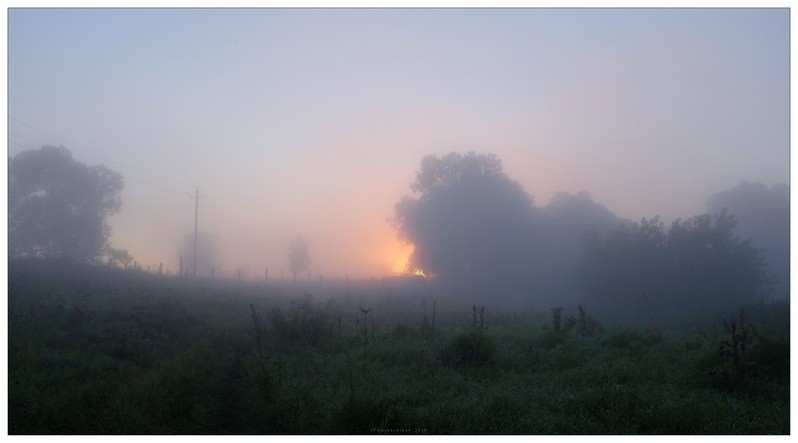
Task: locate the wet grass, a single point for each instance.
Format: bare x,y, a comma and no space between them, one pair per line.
95,351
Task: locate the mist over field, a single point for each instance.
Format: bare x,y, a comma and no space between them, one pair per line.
230,215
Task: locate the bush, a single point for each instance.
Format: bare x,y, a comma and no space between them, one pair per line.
301,322
746,353
469,347
550,339
771,354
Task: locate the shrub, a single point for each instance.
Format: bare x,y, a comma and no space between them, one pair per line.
469,347
550,339
301,322
588,325
771,353
745,353
556,318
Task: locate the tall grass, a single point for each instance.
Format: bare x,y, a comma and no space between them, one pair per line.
105,352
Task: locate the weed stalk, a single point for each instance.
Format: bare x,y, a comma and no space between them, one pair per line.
434,305
556,318
365,312
264,375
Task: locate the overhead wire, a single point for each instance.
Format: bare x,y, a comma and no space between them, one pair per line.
153,187
24,138
128,178
19,144
95,154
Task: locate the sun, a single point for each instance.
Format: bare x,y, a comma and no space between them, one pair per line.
399,257
401,260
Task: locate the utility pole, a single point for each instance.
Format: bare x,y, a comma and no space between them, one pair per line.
196,217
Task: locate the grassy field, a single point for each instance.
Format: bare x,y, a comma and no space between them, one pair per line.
100,351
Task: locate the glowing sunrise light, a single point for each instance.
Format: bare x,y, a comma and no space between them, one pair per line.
397,256
400,259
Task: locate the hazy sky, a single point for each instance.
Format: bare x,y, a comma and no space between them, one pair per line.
313,122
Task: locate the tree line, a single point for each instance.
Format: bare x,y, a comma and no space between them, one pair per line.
59,209
478,235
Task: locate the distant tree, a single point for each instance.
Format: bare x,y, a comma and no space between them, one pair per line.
763,215
562,224
299,257
470,224
579,212
208,255
698,267
118,257
58,207
623,269
715,267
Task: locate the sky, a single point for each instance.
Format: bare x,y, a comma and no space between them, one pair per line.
313,122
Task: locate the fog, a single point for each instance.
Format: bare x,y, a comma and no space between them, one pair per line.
313,123
398,221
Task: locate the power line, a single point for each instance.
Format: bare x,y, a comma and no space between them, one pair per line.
24,138
94,154
18,144
128,178
153,187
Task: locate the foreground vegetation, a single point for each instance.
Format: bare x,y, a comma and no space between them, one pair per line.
105,351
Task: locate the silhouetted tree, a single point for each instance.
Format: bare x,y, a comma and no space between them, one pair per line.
763,215
715,267
579,213
562,223
58,207
470,225
699,267
118,257
208,255
299,257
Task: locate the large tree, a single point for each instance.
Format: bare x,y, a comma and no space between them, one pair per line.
58,207
763,215
470,225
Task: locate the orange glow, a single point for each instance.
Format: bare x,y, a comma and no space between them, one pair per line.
401,257
398,256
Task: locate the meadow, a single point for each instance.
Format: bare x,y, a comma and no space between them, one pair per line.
108,351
